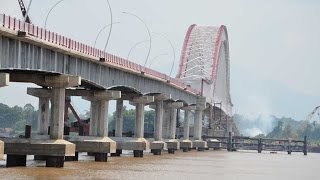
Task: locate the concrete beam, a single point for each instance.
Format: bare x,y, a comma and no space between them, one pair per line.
62,81
39,92
188,108
175,105
107,95
161,97
98,95
103,95
4,79
129,97
143,99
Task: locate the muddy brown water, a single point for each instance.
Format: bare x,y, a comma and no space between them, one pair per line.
244,165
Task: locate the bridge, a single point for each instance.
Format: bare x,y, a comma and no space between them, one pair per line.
64,67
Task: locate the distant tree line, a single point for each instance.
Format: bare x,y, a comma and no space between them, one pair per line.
17,117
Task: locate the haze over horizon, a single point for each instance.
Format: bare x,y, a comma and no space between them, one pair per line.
274,49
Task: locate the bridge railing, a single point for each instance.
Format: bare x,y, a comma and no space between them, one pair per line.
57,39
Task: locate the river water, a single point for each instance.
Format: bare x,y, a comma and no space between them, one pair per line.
243,165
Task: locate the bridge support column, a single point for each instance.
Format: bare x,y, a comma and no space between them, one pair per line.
119,124
52,148
139,122
137,144
186,144
4,81
119,118
57,108
198,142
94,111
158,144
43,116
172,143
97,143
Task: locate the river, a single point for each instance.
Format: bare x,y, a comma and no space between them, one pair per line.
244,165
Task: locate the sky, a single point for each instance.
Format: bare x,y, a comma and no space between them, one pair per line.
274,44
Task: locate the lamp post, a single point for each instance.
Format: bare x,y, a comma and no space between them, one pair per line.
102,29
148,34
111,23
134,46
152,60
56,4
173,50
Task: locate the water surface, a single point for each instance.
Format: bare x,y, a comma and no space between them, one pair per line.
191,165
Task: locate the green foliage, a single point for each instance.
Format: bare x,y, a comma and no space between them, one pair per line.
129,116
17,117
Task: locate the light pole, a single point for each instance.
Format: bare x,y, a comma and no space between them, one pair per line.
173,50
152,60
103,28
109,6
134,46
56,4
105,47
148,33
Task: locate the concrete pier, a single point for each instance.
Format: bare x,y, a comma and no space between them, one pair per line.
52,147
4,81
98,143
198,143
119,118
158,144
172,143
1,149
138,143
17,149
186,144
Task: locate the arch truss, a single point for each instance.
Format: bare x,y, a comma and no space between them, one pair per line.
205,64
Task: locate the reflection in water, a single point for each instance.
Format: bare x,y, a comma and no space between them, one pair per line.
191,165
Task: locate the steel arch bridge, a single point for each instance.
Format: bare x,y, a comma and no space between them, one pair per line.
205,66
205,63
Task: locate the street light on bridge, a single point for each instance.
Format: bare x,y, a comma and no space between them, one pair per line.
148,34
111,19
173,50
134,46
152,60
103,28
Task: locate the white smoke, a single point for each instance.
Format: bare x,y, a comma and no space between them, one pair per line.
257,112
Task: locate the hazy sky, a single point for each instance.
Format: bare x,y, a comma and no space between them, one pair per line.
274,44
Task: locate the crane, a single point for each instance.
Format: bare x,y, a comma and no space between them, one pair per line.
24,11
315,110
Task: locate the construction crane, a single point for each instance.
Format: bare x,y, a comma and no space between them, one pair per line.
315,110
24,11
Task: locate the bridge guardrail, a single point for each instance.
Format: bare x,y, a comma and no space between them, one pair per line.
57,39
